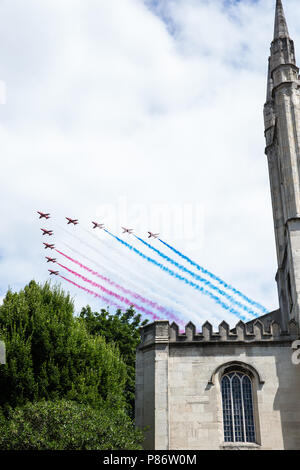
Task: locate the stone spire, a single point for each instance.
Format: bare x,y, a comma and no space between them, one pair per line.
282,52
280,28
282,131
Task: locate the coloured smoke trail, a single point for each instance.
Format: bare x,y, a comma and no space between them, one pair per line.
123,289
179,304
171,296
194,275
169,312
178,276
144,283
200,289
91,292
198,278
111,293
216,278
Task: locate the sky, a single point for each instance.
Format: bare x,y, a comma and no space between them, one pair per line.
146,114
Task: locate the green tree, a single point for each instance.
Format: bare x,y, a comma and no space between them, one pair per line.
67,425
122,329
51,355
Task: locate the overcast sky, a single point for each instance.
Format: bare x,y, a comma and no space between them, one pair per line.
146,114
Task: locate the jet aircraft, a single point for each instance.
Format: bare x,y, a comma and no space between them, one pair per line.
154,235
53,272
72,221
127,230
98,225
43,215
47,232
48,245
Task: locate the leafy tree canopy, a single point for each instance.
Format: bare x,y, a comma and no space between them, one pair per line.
51,354
122,329
67,425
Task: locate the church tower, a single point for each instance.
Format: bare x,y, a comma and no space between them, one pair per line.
238,388
282,132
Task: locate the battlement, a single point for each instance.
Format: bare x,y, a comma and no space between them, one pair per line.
162,331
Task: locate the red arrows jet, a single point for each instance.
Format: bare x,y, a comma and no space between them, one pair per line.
127,230
43,215
53,272
72,221
47,232
50,260
154,235
97,225
48,245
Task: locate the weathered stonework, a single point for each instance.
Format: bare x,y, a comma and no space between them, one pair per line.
178,384
282,132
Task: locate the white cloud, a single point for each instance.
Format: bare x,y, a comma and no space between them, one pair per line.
104,103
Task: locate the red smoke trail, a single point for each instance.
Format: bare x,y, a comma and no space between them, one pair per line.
111,293
109,301
123,289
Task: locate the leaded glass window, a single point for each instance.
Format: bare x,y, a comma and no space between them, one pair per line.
238,415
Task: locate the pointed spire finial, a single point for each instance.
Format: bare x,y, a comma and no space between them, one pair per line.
280,28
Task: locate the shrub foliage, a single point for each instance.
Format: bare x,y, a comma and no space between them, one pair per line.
121,329
51,355
67,425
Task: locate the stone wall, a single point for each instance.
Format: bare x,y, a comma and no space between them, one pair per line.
178,384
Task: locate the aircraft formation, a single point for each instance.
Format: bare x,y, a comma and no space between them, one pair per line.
51,246
167,259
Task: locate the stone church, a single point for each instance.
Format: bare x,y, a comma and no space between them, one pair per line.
238,388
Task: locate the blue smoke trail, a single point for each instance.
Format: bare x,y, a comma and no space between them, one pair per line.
178,276
199,278
216,278
137,284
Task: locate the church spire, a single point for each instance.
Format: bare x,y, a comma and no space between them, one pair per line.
282,130
280,27
282,52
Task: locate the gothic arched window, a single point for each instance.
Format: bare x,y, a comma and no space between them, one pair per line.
238,414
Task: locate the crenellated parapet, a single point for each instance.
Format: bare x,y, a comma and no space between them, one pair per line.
163,332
